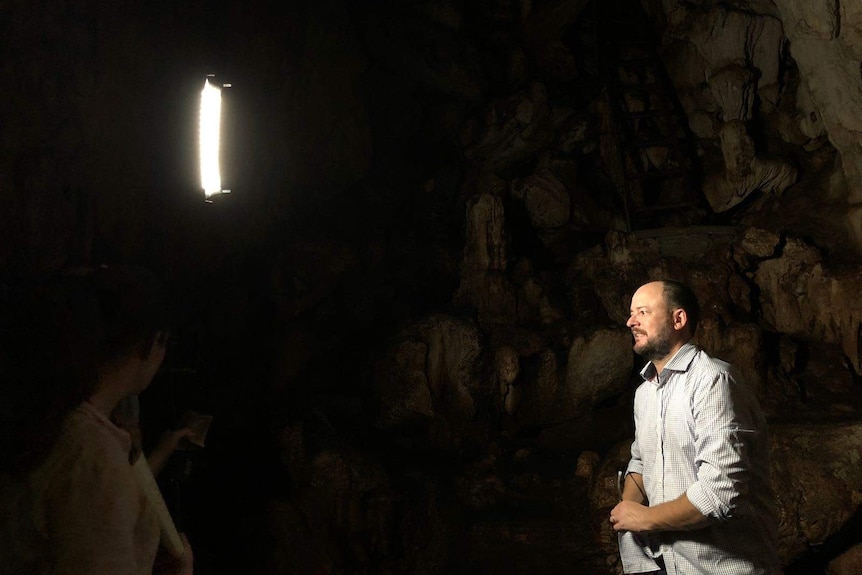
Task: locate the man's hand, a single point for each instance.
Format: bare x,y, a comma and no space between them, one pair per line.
631,516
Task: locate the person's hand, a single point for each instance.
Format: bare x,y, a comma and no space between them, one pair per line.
167,564
630,516
170,440
168,443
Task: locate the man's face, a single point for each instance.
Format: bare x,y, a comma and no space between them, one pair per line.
651,323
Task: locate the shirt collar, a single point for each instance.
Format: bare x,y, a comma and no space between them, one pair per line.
679,362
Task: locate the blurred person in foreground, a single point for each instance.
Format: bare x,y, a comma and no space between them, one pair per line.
73,348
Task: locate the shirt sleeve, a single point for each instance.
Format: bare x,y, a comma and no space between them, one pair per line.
724,432
636,462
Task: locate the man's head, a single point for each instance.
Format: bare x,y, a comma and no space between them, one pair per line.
663,316
132,314
57,335
677,295
132,319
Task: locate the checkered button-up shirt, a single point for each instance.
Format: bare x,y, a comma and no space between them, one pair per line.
700,431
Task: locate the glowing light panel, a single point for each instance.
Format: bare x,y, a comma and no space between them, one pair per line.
209,139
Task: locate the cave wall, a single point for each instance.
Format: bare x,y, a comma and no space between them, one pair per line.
407,317
788,72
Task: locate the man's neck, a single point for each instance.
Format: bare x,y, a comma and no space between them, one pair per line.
660,363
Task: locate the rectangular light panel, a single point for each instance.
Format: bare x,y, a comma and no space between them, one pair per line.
209,139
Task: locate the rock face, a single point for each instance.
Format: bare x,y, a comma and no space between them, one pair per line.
823,40
722,61
744,171
515,129
546,199
432,375
598,366
484,283
814,471
724,57
848,563
804,298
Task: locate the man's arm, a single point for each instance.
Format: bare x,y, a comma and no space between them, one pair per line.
727,424
723,467
676,515
633,489
168,444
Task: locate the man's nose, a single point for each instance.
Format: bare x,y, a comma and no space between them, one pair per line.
631,321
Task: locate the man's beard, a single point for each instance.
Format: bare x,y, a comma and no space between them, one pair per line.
657,347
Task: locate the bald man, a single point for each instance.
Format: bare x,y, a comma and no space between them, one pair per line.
696,497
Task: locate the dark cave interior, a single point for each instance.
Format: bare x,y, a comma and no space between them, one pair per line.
421,192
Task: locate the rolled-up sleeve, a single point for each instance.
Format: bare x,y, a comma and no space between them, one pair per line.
722,442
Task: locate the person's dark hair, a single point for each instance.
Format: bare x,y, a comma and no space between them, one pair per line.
677,295
131,309
54,334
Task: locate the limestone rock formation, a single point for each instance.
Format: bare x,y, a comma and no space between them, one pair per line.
812,27
485,283
515,129
545,27
744,172
506,368
598,366
848,563
803,297
546,199
815,482
430,376
739,345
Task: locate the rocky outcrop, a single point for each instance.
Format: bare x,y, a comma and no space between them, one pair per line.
545,28
803,297
515,129
824,42
545,198
744,172
849,563
798,60
722,61
485,283
598,366
431,376
815,482
738,344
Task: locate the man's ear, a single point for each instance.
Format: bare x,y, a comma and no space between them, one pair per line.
680,319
